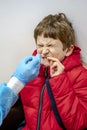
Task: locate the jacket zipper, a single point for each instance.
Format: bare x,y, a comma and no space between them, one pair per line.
40,108
41,101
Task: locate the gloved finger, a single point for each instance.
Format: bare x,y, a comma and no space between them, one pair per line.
27,59
30,58
36,59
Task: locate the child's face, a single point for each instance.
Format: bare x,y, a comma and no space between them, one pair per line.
49,47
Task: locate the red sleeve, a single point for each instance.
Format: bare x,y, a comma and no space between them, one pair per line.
71,101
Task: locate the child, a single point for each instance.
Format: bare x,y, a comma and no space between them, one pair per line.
61,85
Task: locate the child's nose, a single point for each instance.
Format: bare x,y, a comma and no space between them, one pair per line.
45,50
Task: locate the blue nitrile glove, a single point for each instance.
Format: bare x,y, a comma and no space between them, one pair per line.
28,68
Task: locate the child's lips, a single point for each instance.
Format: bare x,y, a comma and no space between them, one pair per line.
44,57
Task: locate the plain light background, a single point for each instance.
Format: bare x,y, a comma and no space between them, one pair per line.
18,18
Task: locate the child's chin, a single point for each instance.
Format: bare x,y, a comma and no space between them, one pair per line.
45,64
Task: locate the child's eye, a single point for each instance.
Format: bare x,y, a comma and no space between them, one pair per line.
49,45
39,46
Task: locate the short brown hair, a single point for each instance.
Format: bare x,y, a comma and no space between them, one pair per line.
56,26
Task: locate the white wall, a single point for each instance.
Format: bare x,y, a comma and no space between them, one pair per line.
18,18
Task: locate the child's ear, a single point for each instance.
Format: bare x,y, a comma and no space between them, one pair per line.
69,50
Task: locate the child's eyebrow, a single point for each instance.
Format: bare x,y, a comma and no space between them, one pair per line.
41,40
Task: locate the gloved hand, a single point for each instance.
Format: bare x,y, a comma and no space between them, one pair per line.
28,68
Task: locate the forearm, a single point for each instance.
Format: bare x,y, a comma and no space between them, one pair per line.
7,100
8,96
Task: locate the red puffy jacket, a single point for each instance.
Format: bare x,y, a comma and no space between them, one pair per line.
70,93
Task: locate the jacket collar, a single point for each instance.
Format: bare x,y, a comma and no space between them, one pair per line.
73,60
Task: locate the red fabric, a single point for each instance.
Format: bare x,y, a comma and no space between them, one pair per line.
70,93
